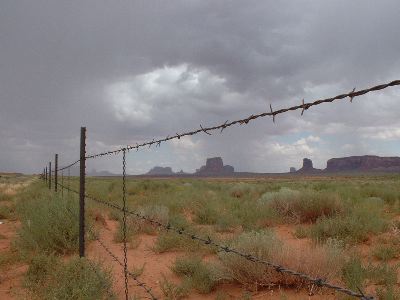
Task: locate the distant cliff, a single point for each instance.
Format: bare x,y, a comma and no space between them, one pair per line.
160,171
363,163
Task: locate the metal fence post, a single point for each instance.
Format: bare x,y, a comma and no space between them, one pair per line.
49,175
82,194
55,172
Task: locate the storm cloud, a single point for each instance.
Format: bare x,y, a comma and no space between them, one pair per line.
131,71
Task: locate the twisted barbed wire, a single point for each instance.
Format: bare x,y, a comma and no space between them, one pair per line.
70,165
320,282
303,106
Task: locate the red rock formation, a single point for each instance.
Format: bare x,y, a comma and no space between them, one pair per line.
308,167
215,166
363,163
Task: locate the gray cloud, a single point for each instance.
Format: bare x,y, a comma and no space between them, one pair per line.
179,64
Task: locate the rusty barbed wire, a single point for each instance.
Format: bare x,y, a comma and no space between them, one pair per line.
320,282
69,166
303,106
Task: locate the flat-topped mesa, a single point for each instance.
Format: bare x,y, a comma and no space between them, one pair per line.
160,171
215,166
363,163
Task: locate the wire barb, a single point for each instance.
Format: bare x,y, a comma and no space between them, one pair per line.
351,95
302,107
272,113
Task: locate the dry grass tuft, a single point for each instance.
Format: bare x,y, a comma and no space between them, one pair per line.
321,261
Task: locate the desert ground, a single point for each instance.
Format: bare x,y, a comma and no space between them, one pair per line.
344,229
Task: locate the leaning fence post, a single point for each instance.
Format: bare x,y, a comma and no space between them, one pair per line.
82,194
55,172
49,175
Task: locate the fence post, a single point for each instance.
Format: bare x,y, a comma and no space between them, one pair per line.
62,184
49,175
55,172
82,194
45,174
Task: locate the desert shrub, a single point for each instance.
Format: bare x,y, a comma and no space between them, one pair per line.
353,227
325,261
115,215
389,293
387,192
158,213
206,212
353,273
383,274
385,252
9,258
50,278
301,232
7,211
5,196
48,224
131,233
304,206
170,240
173,291
241,189
253,215
200,275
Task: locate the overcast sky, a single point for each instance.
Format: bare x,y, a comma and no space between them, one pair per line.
131,71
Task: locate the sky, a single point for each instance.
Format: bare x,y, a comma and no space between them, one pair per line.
131,71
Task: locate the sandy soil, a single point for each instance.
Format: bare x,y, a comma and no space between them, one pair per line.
157,264
10,275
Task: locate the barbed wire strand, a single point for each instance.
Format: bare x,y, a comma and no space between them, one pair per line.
320,282
303,106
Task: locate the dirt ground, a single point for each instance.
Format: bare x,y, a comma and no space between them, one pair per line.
157,264
12,274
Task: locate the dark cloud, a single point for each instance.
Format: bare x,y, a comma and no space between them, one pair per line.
132,70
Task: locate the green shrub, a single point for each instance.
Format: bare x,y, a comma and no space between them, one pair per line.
48,224
383,274
171,240
353,273
5,196
301,232
389,293
131,231
304,206
159,213
173,291
241,189
353,227
385,253
325,261
7,212
50,278
201,276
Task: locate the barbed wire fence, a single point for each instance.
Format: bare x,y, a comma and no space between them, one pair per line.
47,174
